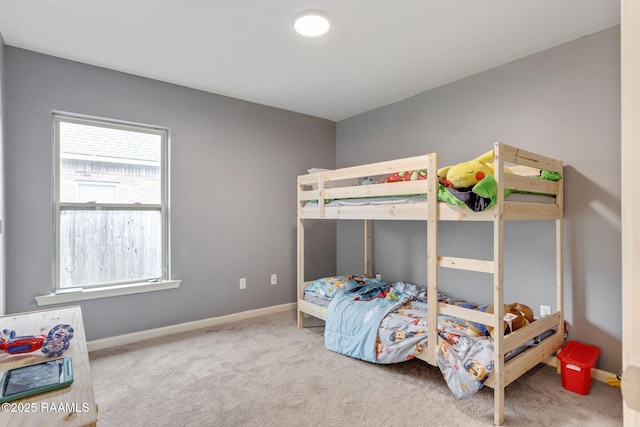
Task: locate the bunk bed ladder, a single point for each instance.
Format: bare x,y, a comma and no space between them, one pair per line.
502,154
495,267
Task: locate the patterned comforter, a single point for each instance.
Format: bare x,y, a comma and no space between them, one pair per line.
387,323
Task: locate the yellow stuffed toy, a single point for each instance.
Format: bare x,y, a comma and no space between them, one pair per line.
467,174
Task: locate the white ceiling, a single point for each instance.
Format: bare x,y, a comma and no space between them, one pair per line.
377,51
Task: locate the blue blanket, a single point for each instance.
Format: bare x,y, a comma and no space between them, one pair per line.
352,325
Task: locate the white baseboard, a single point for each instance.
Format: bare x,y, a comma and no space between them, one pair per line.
134,337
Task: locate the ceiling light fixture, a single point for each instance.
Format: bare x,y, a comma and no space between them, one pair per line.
312,23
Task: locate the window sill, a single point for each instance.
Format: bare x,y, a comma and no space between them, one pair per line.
104,292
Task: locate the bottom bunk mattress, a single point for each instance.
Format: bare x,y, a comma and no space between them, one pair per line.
386,323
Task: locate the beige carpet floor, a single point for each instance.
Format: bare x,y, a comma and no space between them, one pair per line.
266,372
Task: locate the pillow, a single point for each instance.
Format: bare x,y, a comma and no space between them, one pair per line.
331,286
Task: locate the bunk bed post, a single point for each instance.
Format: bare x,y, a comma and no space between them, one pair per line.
560,254
432,258
300,262
368,271
321,197
498,287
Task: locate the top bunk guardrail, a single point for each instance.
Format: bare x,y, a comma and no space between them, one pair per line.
345,183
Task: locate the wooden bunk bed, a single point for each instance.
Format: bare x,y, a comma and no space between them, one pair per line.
327,185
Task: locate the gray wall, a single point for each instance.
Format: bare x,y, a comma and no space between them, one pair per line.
564,103
232,206
2,250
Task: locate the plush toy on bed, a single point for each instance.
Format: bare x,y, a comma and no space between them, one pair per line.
516,316
413,175
468,174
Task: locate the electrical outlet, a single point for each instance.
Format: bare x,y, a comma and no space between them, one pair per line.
243,283
545,310
378,276
274,279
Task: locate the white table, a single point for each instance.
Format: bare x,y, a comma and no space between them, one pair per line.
72,406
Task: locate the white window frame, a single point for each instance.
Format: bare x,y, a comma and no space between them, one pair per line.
61,295
105,184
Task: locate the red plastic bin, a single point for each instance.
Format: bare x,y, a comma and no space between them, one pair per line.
576,360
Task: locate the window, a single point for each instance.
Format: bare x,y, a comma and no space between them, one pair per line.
110,203
91,191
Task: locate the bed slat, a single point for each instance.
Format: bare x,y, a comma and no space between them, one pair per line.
380,168
522,363
467,314
534,185
521,211
522,335
468,264
527,158
375,190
